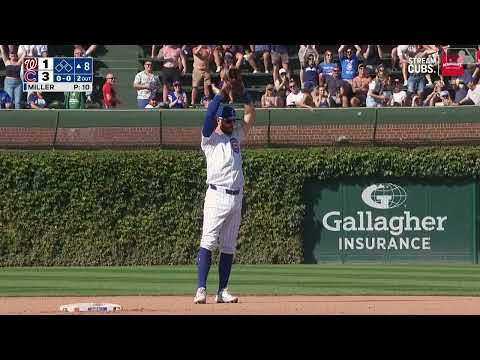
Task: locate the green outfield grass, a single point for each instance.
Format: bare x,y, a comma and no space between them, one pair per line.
245,280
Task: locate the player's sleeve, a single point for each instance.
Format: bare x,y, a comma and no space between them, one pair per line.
209,123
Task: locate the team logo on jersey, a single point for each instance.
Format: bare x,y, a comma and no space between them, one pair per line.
235,145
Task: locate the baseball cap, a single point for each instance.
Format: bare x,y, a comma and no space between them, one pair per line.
225,112
282,71
228,56
444,93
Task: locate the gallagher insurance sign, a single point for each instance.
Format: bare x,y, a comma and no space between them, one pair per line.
390,221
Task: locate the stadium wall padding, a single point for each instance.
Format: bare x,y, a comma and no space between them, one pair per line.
274,127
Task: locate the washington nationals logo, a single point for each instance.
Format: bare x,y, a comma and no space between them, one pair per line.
235,145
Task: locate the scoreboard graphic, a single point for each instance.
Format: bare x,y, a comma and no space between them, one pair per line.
65,74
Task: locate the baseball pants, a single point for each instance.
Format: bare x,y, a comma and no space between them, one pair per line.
222,214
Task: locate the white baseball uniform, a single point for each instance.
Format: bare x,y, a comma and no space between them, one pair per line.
223,206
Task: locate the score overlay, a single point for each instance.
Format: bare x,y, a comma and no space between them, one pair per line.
59,74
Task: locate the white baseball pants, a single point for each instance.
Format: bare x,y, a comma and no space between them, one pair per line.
222,213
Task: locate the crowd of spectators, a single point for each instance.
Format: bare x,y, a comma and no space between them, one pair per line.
347,76
356,77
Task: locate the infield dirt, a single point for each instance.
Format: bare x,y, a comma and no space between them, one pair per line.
255,305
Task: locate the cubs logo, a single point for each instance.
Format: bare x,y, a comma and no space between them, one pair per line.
235,145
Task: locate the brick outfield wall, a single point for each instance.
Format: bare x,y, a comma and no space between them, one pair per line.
291,135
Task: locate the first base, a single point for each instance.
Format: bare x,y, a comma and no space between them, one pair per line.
90,307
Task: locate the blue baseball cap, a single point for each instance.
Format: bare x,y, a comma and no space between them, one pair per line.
226,112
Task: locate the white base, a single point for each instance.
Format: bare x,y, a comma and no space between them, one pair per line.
90,307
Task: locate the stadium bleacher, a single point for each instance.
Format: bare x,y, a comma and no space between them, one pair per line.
126,60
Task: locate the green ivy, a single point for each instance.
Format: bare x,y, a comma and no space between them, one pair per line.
146,207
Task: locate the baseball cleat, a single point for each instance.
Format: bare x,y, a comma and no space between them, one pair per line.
224,296
200,296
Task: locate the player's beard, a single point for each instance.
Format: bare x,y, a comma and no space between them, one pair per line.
226,130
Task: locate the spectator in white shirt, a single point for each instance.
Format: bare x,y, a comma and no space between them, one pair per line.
295,98
153,103
33,50
399,96
473,95
146,85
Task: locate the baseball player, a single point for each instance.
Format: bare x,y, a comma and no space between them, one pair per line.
223,201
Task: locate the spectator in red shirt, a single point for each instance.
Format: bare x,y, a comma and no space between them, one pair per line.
109,94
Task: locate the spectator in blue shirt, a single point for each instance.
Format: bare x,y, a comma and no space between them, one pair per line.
327,66
310,73
36,100
177,98
5,100
349,62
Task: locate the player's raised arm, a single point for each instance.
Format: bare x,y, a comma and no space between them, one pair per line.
210,122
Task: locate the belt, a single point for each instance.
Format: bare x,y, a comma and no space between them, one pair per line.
231,192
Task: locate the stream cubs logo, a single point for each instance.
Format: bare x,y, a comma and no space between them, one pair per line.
235,145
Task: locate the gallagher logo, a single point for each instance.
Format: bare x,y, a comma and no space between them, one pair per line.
384,196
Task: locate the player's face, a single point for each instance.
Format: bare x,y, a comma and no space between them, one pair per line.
226,125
